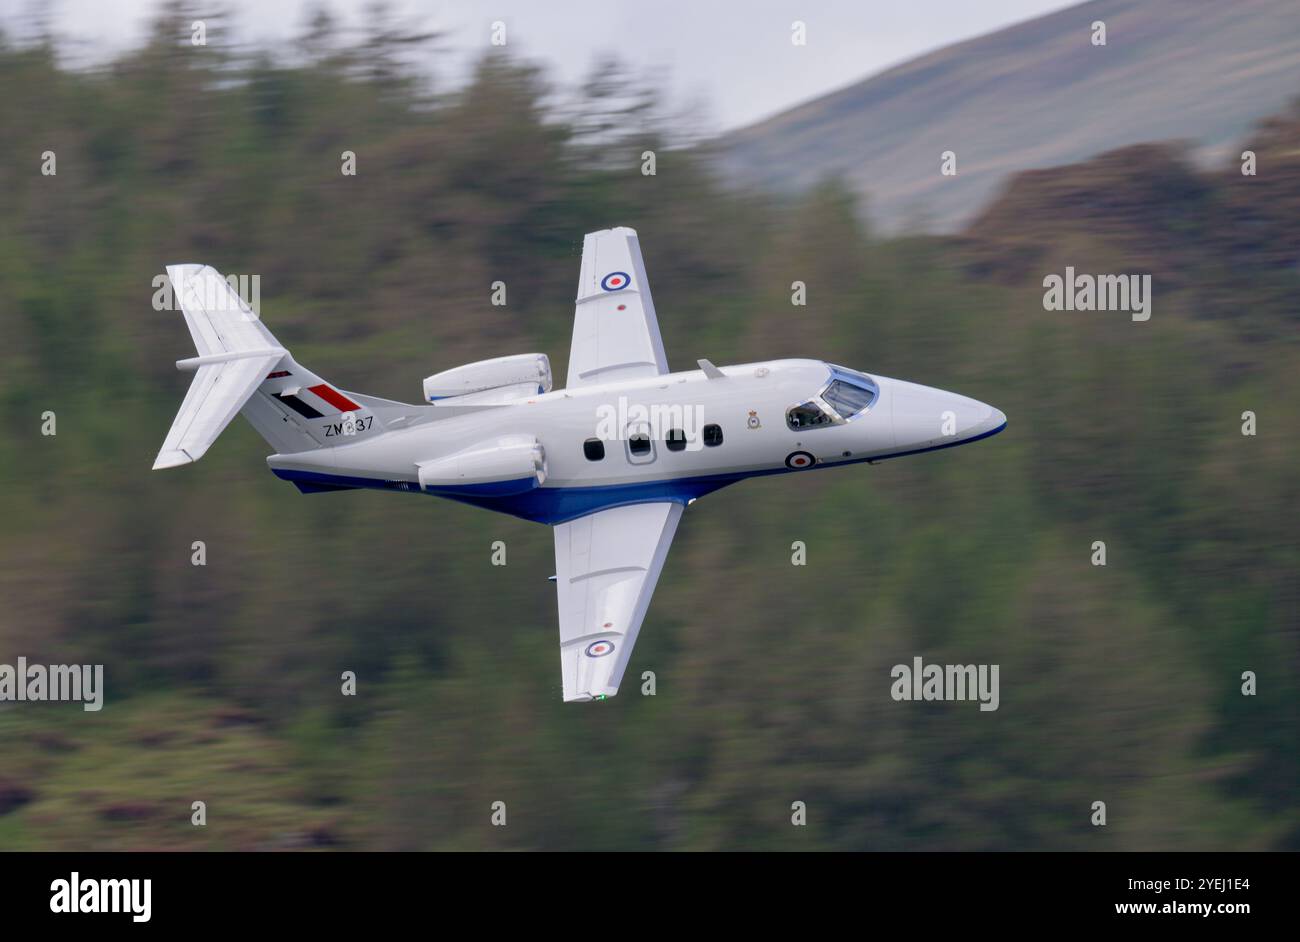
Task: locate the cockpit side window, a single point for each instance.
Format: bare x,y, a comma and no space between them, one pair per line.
807,415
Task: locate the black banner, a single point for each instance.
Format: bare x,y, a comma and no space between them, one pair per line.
330,892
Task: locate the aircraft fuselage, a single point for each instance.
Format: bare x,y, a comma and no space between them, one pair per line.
673,437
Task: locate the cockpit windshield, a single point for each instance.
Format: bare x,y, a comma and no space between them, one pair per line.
849,392
846,399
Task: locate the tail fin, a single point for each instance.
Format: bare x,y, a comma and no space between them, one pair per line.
235,354
242,367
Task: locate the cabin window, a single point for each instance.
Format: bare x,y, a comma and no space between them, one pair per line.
807,415
594,449
639,444
713,435
675,440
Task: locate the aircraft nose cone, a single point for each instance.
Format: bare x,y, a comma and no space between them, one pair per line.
975,419
993,422
926,418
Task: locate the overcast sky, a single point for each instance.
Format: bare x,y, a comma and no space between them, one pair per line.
734,56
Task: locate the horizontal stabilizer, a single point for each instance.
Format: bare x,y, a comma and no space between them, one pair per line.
218,392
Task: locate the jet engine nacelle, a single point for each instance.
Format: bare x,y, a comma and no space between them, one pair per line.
525,369
511,464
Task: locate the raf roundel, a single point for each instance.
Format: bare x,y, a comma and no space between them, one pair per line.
600,648
797,460
615,281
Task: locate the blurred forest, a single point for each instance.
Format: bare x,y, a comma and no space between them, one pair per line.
1118,683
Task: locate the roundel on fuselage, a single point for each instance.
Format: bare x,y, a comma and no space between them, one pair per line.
798,460
615,281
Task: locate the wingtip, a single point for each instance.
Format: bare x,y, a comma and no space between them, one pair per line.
171,459
184,266
612,230
178,273
586,696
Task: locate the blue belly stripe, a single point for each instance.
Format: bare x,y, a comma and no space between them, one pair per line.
550,505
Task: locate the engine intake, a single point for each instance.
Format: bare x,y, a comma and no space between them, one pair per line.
511,464
524,369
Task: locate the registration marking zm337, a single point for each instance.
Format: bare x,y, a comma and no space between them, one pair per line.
359,425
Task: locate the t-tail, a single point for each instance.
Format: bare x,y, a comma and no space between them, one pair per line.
240,366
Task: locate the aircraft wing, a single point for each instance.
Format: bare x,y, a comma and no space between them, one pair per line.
615,331
607,564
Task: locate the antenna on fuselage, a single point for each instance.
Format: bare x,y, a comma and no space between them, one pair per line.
711,371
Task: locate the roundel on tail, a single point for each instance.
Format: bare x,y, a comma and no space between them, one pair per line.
600,648
615,281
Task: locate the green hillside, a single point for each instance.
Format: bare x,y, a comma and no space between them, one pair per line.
1119,684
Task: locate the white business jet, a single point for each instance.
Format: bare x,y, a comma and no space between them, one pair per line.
610,461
